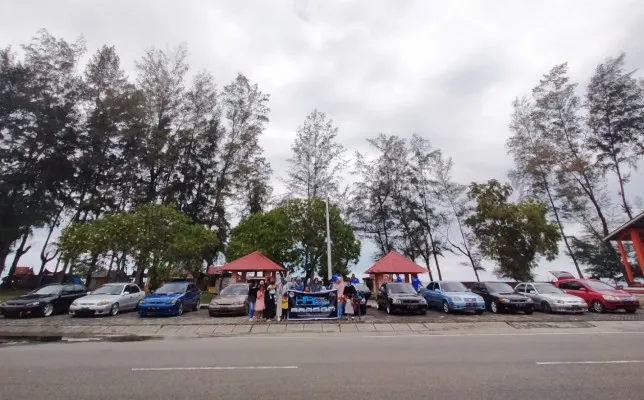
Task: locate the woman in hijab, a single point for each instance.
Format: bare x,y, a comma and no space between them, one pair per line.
271,295
339,285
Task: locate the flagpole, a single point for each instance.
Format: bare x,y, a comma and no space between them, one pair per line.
328,239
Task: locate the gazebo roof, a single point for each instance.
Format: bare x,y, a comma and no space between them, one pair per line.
637,223
395,263
254,261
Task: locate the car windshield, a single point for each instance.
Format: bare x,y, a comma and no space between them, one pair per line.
361,287
113,290
546,288
235,290
54,289
400,288
453,287
499,287
174,287
596,285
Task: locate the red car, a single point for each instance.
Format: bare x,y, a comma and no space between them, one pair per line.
599,295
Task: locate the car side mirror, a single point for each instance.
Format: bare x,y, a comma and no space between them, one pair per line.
126,292
438,290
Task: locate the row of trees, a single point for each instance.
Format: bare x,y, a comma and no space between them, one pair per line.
156,156
80,142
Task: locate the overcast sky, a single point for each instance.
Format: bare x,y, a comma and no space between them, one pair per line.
448,70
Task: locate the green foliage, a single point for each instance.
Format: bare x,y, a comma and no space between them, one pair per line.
598,257
293,230
159,238
512,234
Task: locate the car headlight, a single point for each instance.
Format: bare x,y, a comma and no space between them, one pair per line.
33,304
214,303
528,300
174,301
479,299
456,298
3,304
503,300
396,301
606,297
423,301
238,303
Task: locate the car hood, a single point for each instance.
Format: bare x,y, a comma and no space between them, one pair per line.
162,297
403,296
511,296
97,298
228,300
616,293
30,298
560,296
463,295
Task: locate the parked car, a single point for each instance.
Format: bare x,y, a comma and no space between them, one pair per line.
500,297
366,295
452,296
396,296
44,302
548,298
171,299
233,299
109,299
599,296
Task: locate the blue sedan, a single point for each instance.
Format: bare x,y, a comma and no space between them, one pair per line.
453,296
171,299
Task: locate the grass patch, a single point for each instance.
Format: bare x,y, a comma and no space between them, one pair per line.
10,294
206,297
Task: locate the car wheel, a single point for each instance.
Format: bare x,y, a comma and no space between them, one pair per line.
631,310
546,307
378,306
389,310
197,306
598,306
47,310
180,309
423,312
212,314
115,309
446,309
494,307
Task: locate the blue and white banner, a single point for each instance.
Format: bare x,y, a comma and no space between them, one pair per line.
312,305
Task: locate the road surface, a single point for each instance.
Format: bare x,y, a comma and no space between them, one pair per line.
544,366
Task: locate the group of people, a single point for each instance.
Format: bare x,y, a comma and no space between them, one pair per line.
267,299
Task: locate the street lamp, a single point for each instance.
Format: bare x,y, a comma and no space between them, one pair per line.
328,237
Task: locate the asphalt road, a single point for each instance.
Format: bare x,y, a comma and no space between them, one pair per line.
526,366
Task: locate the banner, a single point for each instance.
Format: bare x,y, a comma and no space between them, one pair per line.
312,305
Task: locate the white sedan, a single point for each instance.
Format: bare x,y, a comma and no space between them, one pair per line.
109,299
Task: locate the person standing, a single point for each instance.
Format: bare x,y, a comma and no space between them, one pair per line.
398,279
349,294
354,280
252,299
339,286
316,286
415,282
279,289
260,305
270,297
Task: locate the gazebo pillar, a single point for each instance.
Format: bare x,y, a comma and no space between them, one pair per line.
636,238
627,265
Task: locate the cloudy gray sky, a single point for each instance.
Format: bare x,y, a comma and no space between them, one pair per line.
448,70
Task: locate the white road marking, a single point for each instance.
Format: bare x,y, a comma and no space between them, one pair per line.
503,334
215,368
590,362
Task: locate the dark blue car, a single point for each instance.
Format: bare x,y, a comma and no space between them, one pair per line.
171,299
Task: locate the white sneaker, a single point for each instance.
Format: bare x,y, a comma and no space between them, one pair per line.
250,320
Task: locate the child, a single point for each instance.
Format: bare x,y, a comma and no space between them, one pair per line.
260,305
285,307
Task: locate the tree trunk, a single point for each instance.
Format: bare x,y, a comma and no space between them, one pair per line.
620,180
20,251
109,270
5,249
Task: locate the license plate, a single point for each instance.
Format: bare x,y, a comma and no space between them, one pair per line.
470,304
154,308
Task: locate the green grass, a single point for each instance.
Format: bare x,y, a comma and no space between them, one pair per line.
9,294
206,297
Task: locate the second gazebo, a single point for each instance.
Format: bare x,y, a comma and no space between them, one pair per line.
391,265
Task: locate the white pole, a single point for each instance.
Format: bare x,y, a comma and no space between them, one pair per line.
328,239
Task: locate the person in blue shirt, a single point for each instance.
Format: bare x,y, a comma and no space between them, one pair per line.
299,286
415,282
334,278
398,279
354,280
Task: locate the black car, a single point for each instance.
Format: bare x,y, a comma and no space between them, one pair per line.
47,300
501,297
394,297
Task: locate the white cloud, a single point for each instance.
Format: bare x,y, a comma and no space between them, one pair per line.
447,70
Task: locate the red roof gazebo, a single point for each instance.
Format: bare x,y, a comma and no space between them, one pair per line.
632,231
240,268
396,264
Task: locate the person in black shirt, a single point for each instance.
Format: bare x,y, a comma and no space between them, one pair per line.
252,298
349,294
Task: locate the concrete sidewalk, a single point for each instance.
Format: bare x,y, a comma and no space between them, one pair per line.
299,329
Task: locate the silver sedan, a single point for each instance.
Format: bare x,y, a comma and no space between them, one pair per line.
549,299
109,299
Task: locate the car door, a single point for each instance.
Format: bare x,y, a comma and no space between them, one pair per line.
135,295
67,295
382,295
438,295
577,289
481,290
193,294
530,291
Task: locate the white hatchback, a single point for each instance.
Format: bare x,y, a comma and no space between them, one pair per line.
109,299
